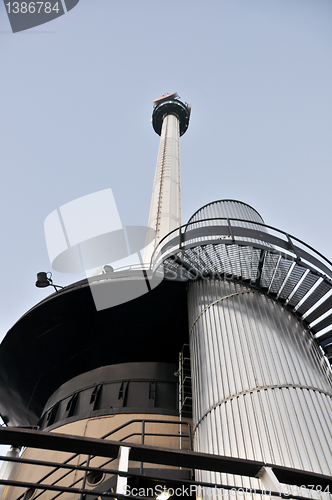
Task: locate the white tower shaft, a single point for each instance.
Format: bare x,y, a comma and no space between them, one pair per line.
166,202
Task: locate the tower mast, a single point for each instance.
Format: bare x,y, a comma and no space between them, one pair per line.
170,120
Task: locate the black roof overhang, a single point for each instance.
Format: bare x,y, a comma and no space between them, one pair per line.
65,336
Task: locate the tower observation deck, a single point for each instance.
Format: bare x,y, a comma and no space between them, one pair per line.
96,398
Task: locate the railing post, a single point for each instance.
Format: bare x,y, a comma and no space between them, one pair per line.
291,245
142,442
121,485
84,477
230,229
8,467
269,480
181,238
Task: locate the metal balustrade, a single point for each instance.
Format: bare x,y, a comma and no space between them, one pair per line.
276,263
143,453
87,464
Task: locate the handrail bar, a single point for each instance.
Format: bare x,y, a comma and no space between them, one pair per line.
105,463
238,220
165,456
138,420
301,254
154,434
188,482
126,424
62,489
87,281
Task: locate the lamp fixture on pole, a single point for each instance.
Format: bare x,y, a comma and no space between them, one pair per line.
43,281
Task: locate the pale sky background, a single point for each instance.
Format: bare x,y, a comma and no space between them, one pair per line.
76,102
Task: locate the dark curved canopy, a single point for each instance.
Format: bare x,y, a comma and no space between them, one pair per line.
64,336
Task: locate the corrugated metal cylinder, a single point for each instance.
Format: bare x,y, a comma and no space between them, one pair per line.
262,389
227,208
219,211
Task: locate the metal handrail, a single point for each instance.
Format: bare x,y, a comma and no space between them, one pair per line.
285,244
181,482
126,424
87,281
139,452
227,219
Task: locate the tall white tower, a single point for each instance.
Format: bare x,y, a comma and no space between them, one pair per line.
170,120
108,387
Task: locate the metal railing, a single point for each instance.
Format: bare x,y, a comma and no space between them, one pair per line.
143,453
279,265
86,466
234,235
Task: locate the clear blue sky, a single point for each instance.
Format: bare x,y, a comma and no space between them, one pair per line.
76,102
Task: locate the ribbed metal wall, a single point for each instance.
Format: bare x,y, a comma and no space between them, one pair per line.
226,209
262,389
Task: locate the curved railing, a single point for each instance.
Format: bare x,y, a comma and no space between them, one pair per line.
275,262
234,234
